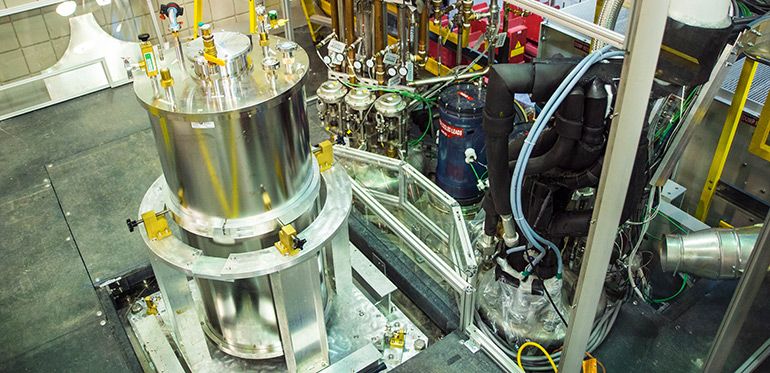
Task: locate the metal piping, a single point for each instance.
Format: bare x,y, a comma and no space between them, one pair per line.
350,29
713,253
379,40
608,17
422,53
446,78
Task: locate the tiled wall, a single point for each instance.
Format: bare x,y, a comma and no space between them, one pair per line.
36,39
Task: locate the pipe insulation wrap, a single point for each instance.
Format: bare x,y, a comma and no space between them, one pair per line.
701,13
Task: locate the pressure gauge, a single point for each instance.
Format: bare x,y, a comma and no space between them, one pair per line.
391,71
369,63
402,71
338,58
357,65
327,60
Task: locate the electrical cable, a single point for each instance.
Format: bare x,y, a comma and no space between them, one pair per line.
518,175
518,355
684,283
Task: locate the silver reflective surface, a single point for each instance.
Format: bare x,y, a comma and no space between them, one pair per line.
236,147
712,253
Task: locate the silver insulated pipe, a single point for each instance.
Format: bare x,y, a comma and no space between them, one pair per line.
713,253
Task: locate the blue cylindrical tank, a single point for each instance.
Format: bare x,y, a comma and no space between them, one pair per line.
461,106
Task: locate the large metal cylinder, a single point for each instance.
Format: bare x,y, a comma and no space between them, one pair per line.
713,253
461,107
233,141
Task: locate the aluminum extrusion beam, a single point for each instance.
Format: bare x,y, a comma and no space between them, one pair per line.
597,32
645,37
743,298
693,120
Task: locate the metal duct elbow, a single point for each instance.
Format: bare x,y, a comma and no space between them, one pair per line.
713,253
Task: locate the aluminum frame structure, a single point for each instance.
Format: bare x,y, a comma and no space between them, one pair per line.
173,260
461,273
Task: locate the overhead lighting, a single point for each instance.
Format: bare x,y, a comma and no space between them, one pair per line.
103,2
66,8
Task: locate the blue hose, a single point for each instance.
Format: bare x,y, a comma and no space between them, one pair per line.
518,174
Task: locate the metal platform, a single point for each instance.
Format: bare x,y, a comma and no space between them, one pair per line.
353,322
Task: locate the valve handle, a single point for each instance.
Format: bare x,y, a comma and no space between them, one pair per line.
165,7
132,224
144,37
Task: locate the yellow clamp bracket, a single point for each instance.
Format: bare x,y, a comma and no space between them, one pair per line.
324,155
590,366
213,59
152,308
157,226
288,244
397,340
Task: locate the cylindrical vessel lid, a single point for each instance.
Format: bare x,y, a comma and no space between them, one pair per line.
390,105
464,98
359,99
331,92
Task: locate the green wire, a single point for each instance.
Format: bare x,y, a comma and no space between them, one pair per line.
674,223
430,122
675,118
474,171
684,283
414,96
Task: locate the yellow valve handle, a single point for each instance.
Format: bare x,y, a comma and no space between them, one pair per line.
214,60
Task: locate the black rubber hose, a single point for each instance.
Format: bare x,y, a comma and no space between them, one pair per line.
570,223
545,142
505,80
490,217
569,122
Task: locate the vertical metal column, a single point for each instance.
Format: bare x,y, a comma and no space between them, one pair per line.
184,316
300,313
743,298
645,33
288,27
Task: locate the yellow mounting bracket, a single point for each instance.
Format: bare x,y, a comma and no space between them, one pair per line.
152,308
213,59
758,144
324,155
156,225
285,244
397,340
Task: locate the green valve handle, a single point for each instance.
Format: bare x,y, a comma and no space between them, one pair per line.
273,14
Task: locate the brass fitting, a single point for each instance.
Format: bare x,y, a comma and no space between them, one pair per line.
467,13
264,41
148,62
437,13
166,80
208,40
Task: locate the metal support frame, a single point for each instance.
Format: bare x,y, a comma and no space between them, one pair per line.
726,138
693,121
461,274
578,24
743,298
288,28
295,280
645,34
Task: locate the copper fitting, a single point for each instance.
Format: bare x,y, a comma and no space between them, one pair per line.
379,43
208,40
422,35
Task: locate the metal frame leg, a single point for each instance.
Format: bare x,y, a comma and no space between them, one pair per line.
643,44
300,313
175,287
726,139
743,298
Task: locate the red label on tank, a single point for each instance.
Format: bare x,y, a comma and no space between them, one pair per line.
449,131
465,95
